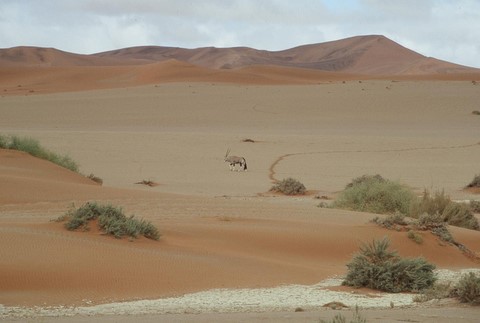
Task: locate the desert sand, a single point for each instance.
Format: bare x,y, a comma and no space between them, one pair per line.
220,229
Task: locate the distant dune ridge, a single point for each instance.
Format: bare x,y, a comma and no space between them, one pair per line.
372,55
33,70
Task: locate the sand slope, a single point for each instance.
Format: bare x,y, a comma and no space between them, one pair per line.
221,228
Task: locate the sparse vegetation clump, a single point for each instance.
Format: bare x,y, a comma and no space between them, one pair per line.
96,179
415,236
377,195
339,318
442,209
439,290
475,206
379,268
365,179
467,289
392,221
33,147
147,183
475,182
435,224
111,220
289,186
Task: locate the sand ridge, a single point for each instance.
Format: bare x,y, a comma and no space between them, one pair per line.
33,70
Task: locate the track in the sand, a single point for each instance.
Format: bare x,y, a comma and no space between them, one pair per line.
272,172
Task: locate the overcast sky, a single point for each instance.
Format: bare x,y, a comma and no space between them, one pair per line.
444,29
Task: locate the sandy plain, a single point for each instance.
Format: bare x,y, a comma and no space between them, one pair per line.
222,229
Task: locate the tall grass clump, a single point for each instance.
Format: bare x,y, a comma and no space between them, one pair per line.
375,194
339,318
467,289
111,220
33,147
439,290
375,266
289,186
440,206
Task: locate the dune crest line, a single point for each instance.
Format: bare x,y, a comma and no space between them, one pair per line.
272,172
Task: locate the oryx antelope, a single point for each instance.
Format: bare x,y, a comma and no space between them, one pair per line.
234,160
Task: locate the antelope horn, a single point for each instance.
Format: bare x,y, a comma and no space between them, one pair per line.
228,152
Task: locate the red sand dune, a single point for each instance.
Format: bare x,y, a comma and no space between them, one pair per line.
42,263
368,55
28,70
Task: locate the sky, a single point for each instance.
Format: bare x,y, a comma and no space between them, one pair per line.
444,29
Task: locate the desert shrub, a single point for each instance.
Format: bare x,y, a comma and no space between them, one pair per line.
289,186
476,112
33,147
475,182
377,195
96,179
339,318
475,206
460,215
430,204
379,268
391,221
3,142
436,291
435,224
365,178
440,205
111,220
415,236
467,289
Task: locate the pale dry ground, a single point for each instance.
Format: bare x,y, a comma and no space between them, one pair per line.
219,228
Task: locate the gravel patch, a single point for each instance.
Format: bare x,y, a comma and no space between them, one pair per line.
282,298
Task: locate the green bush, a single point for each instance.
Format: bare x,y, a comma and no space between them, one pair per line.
3,142
468,289
460,215
377,195
379,268
111,220
33,147
289,186
430,204
440,205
